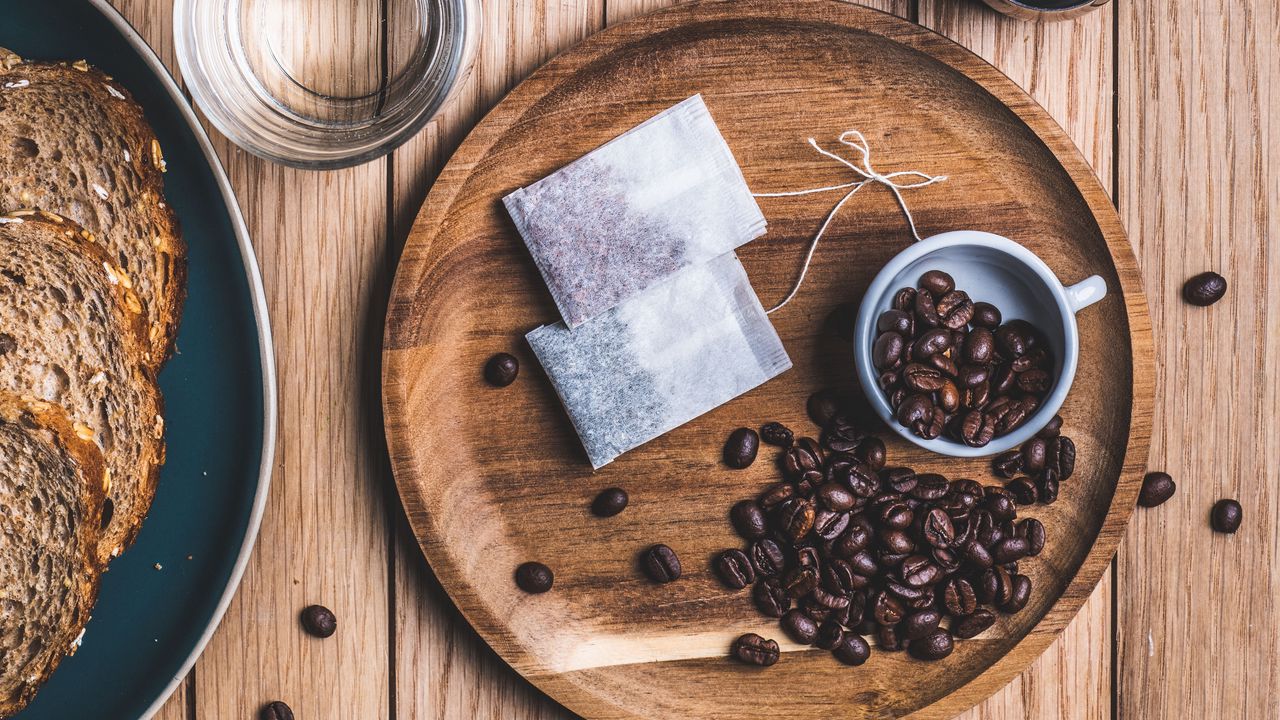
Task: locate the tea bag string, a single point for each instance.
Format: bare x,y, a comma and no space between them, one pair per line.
855,140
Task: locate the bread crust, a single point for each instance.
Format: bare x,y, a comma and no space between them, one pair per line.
52,420
123,529
164,308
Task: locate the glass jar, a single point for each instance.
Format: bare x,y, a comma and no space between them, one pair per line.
324,83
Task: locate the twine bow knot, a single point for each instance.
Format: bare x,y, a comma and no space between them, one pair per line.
856,140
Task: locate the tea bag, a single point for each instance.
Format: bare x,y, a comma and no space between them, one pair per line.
663,196
682,347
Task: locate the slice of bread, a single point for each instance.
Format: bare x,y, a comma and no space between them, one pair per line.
51,493
72,334
73,142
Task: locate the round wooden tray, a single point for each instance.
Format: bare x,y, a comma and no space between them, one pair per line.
493,477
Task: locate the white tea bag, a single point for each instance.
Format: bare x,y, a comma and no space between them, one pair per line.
662,358
663,196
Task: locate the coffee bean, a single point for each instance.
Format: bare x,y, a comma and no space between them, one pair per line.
977,429
895,321
829,635
840,435
1010,340
1019,594
770,597
895,514
959,597
609,502
501,369
822,406
799,627
755,650
1157,487
1023,490
829,524
776,434
986,315
886,608
749,520
661,564
922,378
926,313
534,577
741,448
896,541
776,494
276,711
887,350
888,639
852,650
918,624
807,556
901,479
930,486
768,558
1204,289
871,451
803,456
937,282
1226,516
319,621
800,581
1033,530
795,518
1061,457
931,342
955,309
938,529
1007,464
734,568
905,299
934,646
973,625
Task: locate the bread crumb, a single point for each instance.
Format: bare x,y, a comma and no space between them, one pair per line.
114,92
17,84
100,191
158,566
127,157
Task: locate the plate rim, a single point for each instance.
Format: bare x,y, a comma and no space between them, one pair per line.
850,15
262,322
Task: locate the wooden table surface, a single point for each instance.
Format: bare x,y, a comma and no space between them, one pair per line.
1177,106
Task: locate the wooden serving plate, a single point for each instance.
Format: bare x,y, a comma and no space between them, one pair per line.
493,477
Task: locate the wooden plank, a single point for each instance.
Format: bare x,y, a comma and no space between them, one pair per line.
442,668
320,238
1067,68
1199,179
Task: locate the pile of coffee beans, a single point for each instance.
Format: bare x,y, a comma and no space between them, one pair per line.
949,366
1035,469
845,547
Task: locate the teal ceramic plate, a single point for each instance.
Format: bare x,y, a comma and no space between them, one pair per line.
161,600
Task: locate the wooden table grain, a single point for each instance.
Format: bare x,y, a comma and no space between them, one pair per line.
1177,107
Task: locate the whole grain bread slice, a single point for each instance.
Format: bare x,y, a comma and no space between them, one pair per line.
72,334
74,142
52,494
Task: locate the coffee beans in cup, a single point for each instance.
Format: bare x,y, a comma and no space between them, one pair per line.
950,367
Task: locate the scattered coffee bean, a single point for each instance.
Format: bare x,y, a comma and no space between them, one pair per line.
501,370
770,597
974,624
319,621
823,406
776,434
749,520
800,627
934,646
276,710
741,447
852,650
1034,532
830,634
534,577
735,569
755,650
767,558
1051,428
609,502
661,564
1157,487
1204,289
1226,516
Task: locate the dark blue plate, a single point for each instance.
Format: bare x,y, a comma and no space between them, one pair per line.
161,600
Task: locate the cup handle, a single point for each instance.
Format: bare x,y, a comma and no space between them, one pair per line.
1085,293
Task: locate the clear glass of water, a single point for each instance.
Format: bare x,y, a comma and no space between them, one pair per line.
324,83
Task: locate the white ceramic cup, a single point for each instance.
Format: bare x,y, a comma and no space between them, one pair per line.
991,269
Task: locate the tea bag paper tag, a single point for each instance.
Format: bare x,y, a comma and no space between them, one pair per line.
677,350
661,197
